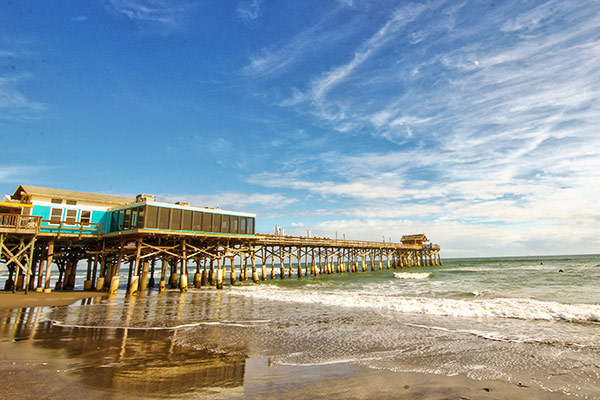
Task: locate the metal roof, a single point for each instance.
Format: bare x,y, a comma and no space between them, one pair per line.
70,195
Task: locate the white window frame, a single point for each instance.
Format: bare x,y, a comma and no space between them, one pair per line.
62,211
81,216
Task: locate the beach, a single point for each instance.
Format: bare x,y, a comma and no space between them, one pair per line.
378,335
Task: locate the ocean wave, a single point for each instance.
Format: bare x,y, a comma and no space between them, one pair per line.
516,308
412,275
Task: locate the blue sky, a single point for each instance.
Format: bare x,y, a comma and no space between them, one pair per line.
475,122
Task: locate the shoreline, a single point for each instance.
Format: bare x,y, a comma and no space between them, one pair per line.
10,300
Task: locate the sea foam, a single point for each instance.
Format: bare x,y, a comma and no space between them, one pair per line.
516,308
412,275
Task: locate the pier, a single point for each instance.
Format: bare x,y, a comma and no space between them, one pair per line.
47,235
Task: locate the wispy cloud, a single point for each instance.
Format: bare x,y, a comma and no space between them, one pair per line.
161,13
400,18
281,57
233,200
249,10
14,103
17,174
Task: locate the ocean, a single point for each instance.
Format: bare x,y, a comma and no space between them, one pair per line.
531,322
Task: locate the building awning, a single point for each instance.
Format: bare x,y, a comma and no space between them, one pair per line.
16,205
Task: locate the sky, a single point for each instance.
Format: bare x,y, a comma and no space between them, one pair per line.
474,122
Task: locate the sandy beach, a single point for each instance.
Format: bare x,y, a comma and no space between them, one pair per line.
145,348
9,300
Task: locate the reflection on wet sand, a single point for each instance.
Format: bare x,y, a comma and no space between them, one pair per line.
129,355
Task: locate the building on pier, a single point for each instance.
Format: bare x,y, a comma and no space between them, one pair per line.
69,211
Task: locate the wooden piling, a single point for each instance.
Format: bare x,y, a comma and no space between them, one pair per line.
49,265
143,284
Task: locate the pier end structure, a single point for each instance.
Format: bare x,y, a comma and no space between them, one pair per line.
41,227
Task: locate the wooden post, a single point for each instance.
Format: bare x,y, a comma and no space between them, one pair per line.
198,275
143,285
204,276
94,271
87,284
211,273
162,285
254,272
101,279
281,264
264,264
272,264
151,280
299,263
116,278
30,266
219,273
232,274
183,281
49,260
173,278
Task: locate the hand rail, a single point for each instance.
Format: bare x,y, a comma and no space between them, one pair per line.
20,221
80,228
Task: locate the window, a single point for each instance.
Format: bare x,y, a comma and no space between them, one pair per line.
197,221
71,216
72,202
86,216
206,222
187,220
152,217
56,201
242,225
140,218
127,219
250,226
176,219
234,224
225,223
114,220
164,218
216,225
56,214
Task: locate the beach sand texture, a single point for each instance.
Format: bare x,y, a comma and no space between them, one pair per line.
346,337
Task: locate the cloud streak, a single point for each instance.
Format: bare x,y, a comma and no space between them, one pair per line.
161,13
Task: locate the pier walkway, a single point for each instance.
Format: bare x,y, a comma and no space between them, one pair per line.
29,252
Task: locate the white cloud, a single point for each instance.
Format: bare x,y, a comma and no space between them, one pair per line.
400,18
164,13
234,200
14,104
249,10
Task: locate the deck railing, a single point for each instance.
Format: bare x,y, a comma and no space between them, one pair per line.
71,227
20,222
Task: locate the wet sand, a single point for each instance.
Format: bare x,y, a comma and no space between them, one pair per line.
9,300
40,359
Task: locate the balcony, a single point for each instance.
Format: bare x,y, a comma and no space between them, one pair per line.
17,223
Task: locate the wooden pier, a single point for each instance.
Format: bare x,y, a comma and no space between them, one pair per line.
182,259
168,245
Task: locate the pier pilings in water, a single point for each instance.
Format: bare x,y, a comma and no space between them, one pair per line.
34,261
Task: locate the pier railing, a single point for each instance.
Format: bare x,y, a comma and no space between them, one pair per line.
280,240
20,223
71,227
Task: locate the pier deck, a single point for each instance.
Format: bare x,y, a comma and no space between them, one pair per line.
29,251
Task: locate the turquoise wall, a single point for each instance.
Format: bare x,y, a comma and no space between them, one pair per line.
101,217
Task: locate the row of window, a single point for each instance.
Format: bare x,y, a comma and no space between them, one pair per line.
153,217
60,214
